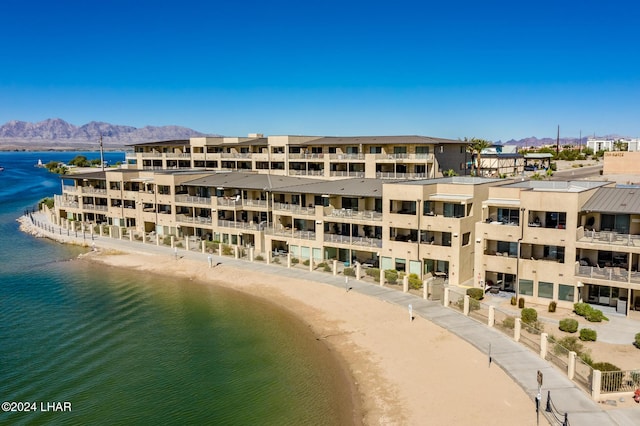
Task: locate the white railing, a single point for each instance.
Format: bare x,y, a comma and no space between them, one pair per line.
394,175
347,174
346,156
236,225
354,214
294,208
306,156
229,202
91,190
255,203
611,237
184,198
607,273
95,207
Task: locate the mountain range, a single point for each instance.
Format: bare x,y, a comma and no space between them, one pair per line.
55,133
58,134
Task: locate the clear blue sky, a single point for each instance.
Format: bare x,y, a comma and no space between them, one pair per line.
490,69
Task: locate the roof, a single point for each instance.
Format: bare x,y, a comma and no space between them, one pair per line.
162,143
557,185
538,155
377,140
353,187
98,175
614,200
248,181
461,180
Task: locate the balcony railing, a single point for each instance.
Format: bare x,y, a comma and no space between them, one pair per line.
191,219
236,155
191,199
150,154
353,214
95,207
346,156
394,175
606,273
404,156
294,209
255,203
610,237
346,174
305,235
229,202
237,225
306,156
294,172
354,241
91,190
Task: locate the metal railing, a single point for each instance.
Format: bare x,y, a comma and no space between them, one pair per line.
610,237
606,273
355,214
294,208
191,199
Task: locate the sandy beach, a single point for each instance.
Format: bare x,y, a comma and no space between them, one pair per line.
403,373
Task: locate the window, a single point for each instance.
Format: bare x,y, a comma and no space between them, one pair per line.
453,210
465,238
428,208
509,216
422,150
332,150
508,247
375,150
554,253
545,290
565,292
555,220
399,149
526,287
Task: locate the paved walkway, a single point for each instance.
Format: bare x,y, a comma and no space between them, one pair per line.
520,363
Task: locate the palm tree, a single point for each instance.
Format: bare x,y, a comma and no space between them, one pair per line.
475,147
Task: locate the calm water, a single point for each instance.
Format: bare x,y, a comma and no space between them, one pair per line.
127,347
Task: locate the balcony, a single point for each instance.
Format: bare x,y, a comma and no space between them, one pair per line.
92,190
404,156
306,156
354,214
304,235
195,220
238,225
294,209
229,202
346,174
255,203
353,241
190,199
150,154
607,273
236,155
293,172
607,238
394,175
95,207
345,157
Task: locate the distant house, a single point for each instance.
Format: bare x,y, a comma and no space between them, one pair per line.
500,160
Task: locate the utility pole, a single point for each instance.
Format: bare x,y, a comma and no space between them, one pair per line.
101,154
558,141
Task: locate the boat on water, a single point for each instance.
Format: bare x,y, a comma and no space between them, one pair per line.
1,169
39,163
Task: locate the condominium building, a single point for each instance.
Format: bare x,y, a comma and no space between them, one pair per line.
542,240
371,157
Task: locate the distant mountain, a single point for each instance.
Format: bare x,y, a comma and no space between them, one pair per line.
535,142
58,134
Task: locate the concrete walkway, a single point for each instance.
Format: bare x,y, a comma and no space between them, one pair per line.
520,363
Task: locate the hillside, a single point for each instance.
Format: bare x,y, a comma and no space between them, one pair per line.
58,134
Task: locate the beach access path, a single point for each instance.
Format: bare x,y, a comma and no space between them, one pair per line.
518,362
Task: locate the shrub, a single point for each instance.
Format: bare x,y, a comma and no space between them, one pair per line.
415,282
529,316
521,303
276,260
326,268
586,357
552,306
391,275
295,260
509,322
570,343
596,315
349,272
588,335
259,258
569,325
613,381
212,245
306,262
637,341
322,265
582,309
47,202
475,293
474,304
513,300
372,272
227,250
167,240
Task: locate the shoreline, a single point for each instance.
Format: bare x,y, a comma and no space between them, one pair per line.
400,372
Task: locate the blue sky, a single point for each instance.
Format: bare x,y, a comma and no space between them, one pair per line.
492,69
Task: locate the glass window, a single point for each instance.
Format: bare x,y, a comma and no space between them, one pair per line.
375,150
545,290
465,238
565,292
526,287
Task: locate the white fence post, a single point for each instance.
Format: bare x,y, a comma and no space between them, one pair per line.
445,298
516,329
466,305
571,365
492,316
595,385
543,345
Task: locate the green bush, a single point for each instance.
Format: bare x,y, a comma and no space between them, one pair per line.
474,304
415,283
596,315
569,343
212,245
582,309
612,384
349,272
509,322
295,260
227,250
521,303
322,265
326,268
391,275
259,258
588,335
47,202
529,316
569,325
637,342
513,300
475,293
276,260
306,262
552,306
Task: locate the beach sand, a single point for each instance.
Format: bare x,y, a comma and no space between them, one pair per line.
403,373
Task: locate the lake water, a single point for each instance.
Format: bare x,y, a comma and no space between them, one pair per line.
133,348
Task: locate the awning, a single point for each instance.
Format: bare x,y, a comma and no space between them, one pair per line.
453,198
501,202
